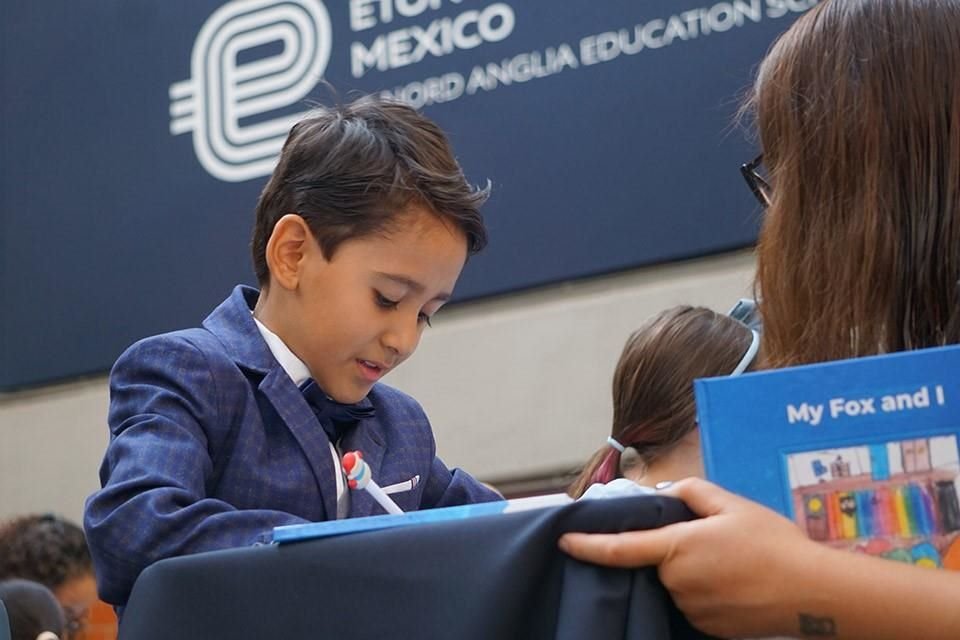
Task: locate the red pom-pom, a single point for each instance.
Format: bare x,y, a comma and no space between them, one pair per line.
352,484
350,460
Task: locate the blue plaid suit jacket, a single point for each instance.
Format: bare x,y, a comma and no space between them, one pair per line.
212,445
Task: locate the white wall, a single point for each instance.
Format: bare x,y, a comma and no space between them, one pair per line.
521,385
51,442
514,386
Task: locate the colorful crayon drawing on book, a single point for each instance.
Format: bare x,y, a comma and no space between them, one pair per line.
864,454
896,499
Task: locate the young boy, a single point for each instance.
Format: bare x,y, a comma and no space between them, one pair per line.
219,434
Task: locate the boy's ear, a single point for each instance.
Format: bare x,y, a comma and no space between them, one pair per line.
287,249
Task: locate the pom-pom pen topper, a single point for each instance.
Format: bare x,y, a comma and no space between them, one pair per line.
359,476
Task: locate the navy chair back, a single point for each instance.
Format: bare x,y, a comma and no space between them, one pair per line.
4,623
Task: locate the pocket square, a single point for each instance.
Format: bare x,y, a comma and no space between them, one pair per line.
399,487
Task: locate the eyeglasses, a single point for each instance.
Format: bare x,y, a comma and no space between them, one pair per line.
76,621
758,184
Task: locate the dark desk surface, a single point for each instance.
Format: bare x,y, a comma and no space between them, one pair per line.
489,578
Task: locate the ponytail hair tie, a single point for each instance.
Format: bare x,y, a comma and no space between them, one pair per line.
615,444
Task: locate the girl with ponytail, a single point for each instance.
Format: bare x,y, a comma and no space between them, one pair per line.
654,436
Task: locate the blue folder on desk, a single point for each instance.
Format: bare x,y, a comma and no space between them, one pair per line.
297,532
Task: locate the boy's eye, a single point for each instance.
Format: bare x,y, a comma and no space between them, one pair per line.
384,301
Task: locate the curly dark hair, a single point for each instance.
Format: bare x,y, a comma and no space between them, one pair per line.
43,548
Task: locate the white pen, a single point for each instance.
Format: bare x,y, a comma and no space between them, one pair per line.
359,476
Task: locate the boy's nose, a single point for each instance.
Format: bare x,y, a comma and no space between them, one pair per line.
402,337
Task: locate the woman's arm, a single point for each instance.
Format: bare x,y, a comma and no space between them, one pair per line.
743,570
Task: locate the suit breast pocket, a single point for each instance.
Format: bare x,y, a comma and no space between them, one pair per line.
402,487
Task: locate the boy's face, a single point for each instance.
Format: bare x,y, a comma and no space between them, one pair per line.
355,317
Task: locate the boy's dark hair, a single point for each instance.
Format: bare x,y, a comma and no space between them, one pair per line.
349,170
43,548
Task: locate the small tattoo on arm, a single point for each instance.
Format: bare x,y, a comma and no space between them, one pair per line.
813,626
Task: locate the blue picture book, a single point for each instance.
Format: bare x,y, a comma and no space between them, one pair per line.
861,454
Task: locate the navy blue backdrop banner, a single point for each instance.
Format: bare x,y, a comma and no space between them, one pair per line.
137,134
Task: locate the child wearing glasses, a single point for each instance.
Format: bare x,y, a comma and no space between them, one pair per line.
51,551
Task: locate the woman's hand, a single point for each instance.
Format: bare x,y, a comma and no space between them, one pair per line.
734,572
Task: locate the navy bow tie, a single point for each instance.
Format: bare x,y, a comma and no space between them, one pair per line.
335,418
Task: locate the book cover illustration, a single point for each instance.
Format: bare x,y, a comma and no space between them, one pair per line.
862,454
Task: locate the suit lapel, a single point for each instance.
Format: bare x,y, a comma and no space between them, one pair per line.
367,438
302,423
232,322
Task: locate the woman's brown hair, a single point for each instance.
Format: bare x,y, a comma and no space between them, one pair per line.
858,111
653,405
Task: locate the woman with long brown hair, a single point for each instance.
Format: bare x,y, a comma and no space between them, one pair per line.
654,436
858,111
